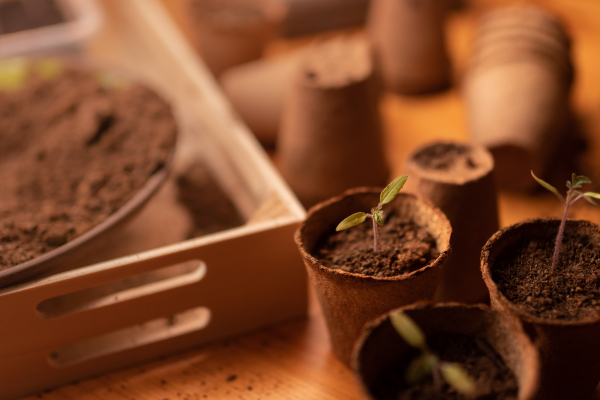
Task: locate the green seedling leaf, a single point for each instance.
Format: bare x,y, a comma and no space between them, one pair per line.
420,367
579,180
591,195
13,73
458,378
353,220
378,216
547,186
408,330
392,189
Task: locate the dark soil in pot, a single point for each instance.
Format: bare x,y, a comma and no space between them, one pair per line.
493,378
73,150
404,247
571,293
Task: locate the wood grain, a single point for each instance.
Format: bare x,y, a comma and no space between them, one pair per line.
293,361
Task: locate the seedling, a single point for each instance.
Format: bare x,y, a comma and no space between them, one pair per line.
376,214
428,362
572,196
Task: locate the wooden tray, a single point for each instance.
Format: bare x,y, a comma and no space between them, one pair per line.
104,316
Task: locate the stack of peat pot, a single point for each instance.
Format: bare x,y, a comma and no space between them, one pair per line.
517,91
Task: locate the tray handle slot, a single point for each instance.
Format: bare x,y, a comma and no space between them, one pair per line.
152,331
170,277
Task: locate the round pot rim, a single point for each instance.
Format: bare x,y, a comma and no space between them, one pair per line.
479,152
352,275
504,301
520,334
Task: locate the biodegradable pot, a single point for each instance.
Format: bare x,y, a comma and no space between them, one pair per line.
232,32
257,91
380,345
458,179
330,138
569,350
349,300
517,91
409,44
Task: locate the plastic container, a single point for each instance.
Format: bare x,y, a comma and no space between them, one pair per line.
82,19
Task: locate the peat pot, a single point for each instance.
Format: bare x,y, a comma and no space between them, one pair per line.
349,299
499,339
569,345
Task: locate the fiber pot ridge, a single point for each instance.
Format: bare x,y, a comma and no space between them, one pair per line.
349,300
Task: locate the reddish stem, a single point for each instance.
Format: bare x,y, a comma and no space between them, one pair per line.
375,235
559,237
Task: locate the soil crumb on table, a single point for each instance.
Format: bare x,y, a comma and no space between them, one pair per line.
493,379
573,292
403,247
72,153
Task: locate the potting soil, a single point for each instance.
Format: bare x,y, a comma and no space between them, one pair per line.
72,152
403,247
523,275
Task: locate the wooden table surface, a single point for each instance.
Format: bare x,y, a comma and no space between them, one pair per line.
294,361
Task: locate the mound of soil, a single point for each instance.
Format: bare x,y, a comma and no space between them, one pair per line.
72,152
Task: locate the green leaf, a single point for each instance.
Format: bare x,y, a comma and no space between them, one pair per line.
591,195
579,180
420,367
353,220
378,216
408,329
458,378
547,186
392,189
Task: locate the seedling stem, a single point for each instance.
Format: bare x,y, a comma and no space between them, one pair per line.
376,214
573,195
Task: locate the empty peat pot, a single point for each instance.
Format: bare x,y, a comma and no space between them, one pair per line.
491,346
350,299
409,44
257,91
517,90
330,138
458,179
561,311
232,32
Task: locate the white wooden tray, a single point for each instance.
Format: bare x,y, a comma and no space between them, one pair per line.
111,314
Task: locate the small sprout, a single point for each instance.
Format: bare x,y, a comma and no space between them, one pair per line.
456,377
429,363
572,196
408,330
420,367
388,194
353,220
